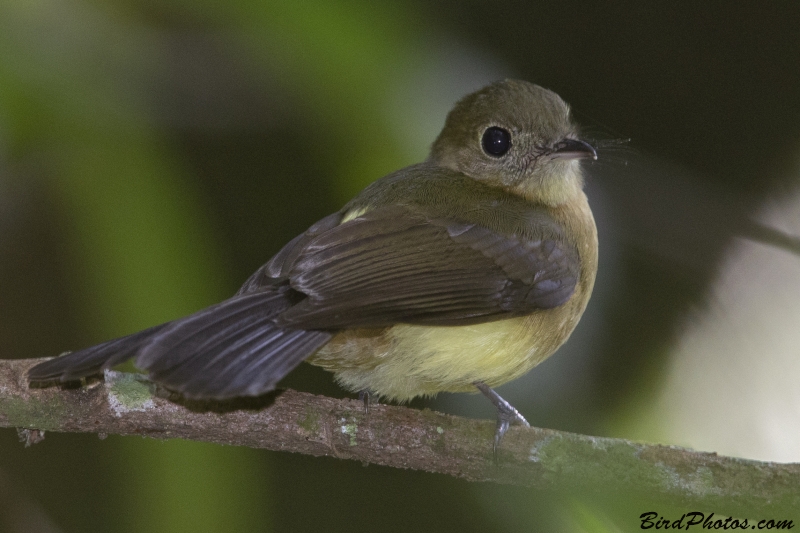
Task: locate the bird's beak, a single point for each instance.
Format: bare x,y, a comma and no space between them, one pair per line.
573,149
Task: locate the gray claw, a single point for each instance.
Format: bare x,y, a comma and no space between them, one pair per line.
506,414
363,395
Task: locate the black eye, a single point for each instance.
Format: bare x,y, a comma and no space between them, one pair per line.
496,141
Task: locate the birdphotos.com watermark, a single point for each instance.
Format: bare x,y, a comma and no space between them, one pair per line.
698,520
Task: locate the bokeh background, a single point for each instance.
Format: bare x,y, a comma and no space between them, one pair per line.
153,154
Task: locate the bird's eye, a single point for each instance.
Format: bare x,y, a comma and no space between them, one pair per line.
496,141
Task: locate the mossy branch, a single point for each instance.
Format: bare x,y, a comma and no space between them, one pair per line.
128,404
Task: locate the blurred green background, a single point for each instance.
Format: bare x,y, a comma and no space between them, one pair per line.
153,154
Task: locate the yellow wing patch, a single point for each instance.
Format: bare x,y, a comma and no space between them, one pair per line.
353,213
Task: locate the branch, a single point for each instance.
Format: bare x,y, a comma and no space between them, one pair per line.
129,404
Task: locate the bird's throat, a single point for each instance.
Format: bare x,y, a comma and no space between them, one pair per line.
558,186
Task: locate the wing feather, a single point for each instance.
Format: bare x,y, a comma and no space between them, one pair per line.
230,349
392,264
395,264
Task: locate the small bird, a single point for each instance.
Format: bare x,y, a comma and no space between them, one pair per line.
461,272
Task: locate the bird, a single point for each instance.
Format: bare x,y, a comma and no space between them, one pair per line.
456,274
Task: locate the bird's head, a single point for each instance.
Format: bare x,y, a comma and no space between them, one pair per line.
516,135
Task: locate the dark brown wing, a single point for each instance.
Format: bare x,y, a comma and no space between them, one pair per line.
230,349
395,264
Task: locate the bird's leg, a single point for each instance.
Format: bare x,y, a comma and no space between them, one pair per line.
363,395
506,413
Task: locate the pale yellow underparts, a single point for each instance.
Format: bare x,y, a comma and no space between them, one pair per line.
405,361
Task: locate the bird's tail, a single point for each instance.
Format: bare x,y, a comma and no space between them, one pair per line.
230,349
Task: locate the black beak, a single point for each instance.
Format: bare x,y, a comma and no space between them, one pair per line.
573,149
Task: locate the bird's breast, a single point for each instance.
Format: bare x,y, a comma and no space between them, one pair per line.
405,361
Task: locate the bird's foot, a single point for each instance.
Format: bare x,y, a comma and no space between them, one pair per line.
506,414
364,396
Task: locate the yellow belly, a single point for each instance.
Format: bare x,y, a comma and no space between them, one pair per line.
405,361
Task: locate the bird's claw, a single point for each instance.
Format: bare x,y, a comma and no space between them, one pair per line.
364,396
507,414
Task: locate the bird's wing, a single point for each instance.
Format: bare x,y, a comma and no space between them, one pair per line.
397,264
393,264
233,348
230,349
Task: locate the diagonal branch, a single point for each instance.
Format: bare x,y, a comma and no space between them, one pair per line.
128,404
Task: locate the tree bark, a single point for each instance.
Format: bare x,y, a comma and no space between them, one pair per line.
287,420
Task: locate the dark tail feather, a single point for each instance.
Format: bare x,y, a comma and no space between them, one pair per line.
230,349
92,360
